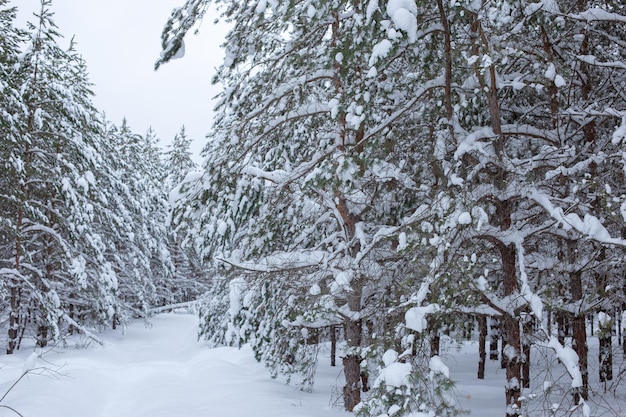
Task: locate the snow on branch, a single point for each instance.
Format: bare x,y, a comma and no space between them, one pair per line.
11,272
530,131
288,87
303,111
415,317
598,14
308,110
82,329
473,142
38,227
533,300
620,133
579,167
277,176
190,305
438,82
569,359
388,231
607,112
281,262
590,226
592,60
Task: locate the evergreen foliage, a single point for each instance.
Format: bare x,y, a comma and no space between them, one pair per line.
408,163
82,207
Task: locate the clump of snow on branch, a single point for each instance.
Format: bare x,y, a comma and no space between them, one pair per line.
620,133
394,374
437,366
569,358
415,317
403,14
552,75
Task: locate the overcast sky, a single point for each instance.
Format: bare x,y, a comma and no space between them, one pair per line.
120,41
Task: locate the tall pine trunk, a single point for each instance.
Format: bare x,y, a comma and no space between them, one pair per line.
513,337
494,337
14,317
14,291
579,328
605,353
352,361
482,350
527,328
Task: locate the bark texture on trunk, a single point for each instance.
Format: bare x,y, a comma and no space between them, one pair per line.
333,346
435,338
13,317
352,365
494,337
482,340
605,353
513,337
527,328
579,329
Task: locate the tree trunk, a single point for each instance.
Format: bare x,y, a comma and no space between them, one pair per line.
42,336
549,321
579,329
435,338
333,346
513,337
352,365
605,354
353,329
503,337
579,344
561,327
606,360
622,328
13,317
513,367
527,328
482,340
494,336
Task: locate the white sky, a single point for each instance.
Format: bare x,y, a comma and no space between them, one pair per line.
120,41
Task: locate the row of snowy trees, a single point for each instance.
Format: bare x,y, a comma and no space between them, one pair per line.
84,234
390,166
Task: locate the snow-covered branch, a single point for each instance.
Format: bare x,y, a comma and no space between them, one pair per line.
281,262
592,60
82,329
589,226
598,14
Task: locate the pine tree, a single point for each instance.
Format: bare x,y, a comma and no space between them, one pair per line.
11,41
53,238
471,143
138,219
305,159
189,280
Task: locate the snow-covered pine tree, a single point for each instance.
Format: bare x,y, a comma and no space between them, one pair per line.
304,170
506,100
54,242
189,279
138,214
11,105
520,141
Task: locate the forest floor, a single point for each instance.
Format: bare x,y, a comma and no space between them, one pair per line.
163,371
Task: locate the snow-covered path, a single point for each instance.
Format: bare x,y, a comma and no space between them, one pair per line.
158,372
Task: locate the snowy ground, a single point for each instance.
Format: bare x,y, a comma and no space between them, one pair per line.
163,372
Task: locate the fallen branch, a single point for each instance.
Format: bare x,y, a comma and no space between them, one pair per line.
169,307
82,329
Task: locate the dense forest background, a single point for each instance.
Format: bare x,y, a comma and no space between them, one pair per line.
380,174
85,240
